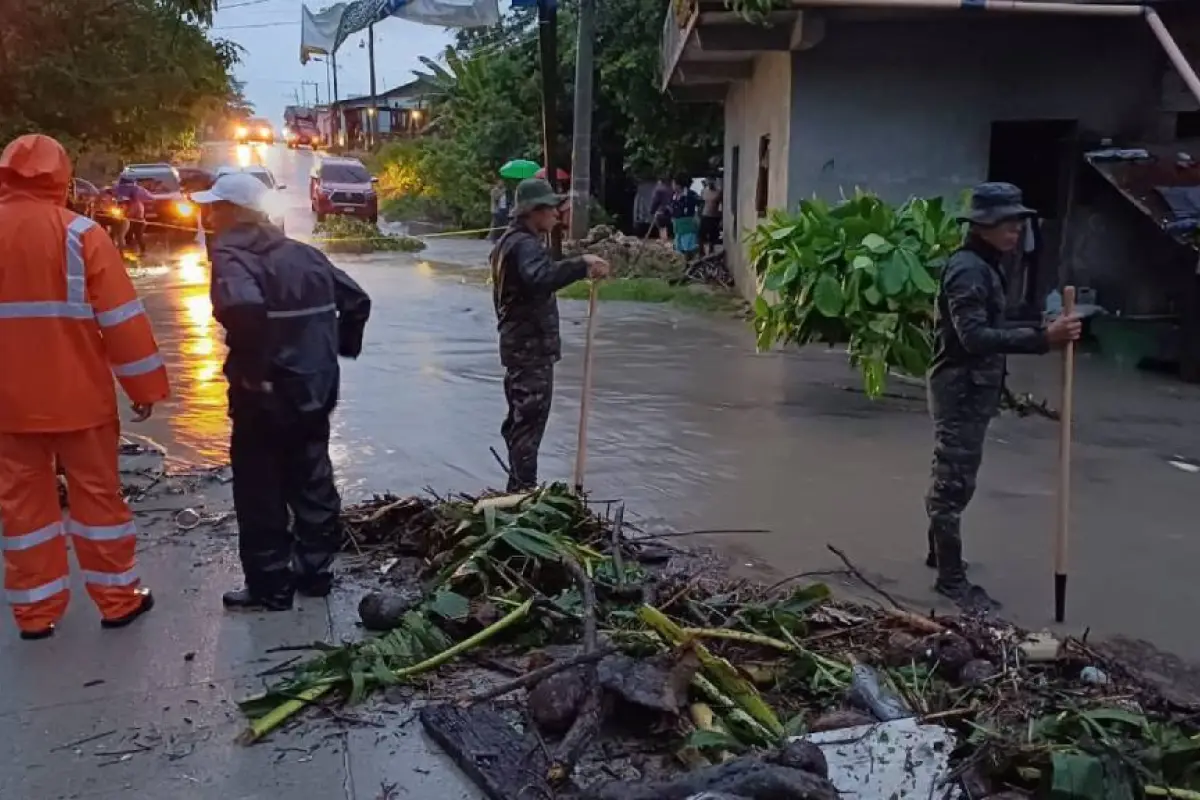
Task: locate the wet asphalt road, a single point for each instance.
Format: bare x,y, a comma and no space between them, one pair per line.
689,426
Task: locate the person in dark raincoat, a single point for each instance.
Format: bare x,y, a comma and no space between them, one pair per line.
966,378
525,280
288,314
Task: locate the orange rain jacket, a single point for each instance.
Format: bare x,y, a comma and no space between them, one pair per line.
70,318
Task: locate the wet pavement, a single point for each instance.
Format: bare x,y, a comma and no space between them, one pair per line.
690,426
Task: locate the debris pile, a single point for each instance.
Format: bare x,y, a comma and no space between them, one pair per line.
645,673
631,256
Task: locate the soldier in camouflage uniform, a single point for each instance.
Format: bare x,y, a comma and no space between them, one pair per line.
524,283
966,377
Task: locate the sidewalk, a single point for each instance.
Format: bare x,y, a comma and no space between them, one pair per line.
149,712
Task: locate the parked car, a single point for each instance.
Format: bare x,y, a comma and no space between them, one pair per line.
82,197
342,186
275,210
171,212
255,129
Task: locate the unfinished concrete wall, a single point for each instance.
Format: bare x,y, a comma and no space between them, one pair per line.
905,107
755,108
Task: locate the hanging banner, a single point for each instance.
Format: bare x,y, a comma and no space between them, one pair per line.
325,31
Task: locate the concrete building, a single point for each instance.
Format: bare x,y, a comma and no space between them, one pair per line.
903,102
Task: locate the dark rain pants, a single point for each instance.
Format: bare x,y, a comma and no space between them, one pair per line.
962,406
528,390
281,469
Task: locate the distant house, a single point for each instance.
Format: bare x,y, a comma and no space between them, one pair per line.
831,95
402,111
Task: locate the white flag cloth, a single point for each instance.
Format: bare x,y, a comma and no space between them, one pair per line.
319,31
325,31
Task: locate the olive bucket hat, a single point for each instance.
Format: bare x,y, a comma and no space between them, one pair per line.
536,193
993,203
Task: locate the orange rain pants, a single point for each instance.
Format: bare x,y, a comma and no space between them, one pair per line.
70,320
37,575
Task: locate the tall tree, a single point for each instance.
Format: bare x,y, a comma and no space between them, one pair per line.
135,74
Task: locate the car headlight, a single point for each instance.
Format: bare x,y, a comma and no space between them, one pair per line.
184,209
241,132
264,131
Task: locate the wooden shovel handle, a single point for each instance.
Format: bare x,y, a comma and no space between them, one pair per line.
585,400
1064,444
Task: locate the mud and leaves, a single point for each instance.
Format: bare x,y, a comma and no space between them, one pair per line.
716,670
861,273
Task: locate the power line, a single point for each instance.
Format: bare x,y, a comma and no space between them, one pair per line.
257,25
223,7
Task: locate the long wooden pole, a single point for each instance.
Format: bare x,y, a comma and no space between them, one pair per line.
585,400
1064,467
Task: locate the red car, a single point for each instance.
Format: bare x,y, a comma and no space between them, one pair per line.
343,186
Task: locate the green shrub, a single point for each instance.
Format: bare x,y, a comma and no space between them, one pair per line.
339,234
862,273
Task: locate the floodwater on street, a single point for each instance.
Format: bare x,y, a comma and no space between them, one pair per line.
695,431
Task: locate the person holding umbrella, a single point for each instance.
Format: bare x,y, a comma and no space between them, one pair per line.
524,285
972,337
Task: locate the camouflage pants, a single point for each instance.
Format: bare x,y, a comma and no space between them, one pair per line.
528,390
961,410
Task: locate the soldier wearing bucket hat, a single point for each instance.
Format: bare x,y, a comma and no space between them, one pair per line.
525,281
972,339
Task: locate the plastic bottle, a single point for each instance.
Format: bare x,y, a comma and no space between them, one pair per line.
867,693
1054,303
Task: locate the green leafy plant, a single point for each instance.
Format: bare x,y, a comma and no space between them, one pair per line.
863,273
338,234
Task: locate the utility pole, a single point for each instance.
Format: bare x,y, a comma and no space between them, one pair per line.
317,91
373,114
548,49
581,140
337,115
303,93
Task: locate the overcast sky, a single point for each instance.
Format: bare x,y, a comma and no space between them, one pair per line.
269,33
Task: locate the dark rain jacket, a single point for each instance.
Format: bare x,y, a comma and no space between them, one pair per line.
524,283
973,334
288,314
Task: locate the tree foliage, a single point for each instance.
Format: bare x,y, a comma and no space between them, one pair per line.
487,107
862,273
133,76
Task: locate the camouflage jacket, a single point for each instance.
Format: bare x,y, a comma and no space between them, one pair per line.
972,333
524,283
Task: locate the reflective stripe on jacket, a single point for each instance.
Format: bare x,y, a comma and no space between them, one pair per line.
70,318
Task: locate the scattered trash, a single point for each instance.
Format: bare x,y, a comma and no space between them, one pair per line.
1041,647
1094,676
867,694
187,519
1186,466
900,758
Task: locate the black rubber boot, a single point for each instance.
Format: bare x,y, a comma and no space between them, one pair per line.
952,576
34,636
244,600
143,608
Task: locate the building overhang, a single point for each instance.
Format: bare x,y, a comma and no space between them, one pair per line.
705,47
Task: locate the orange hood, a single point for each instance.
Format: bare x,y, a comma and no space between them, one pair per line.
36,165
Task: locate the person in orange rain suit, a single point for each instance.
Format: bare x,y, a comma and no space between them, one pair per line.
69,320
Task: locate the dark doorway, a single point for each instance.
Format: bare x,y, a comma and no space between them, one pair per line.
1032,154
1036,155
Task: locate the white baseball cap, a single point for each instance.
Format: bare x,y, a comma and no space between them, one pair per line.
240,188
